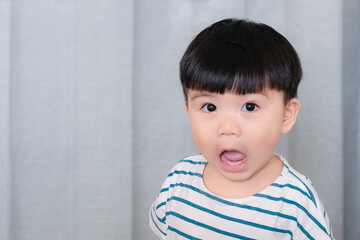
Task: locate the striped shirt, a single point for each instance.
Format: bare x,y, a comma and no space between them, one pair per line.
288,209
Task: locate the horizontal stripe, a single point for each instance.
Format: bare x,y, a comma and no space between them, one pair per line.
162,220
160,205
185,173
297,205
256,225
310,192
292,187
182,233
181,172
226,202
211,228
193,162
194,172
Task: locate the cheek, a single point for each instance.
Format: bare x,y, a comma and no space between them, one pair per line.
196,130
200,133
265,135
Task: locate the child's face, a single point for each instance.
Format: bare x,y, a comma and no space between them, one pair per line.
237,134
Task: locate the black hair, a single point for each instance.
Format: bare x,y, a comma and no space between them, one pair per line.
240,56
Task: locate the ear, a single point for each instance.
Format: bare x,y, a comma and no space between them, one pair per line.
186,106
290,114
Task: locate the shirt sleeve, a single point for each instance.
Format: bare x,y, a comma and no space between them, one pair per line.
313,221
158,210
321,228
157,217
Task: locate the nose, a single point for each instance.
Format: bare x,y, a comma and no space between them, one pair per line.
229,126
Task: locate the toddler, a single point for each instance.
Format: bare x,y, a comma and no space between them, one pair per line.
240,81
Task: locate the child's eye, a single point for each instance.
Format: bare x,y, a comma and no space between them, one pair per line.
249,107
209,107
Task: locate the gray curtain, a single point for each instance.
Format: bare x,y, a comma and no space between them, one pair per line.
92,112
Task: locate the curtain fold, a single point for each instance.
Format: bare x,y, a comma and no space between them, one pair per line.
92,115
103,68
66,124
5,164
351,116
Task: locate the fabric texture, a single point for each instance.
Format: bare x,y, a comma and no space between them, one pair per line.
288,209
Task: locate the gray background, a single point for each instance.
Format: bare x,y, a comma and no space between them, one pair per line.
92,112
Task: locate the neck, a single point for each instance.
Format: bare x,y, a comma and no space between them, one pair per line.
236,189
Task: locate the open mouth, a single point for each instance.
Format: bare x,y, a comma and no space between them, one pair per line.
232,160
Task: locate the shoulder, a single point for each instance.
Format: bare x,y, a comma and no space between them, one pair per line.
298,194
297,184
186,172
187,168
194,162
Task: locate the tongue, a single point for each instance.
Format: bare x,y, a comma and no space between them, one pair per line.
232,156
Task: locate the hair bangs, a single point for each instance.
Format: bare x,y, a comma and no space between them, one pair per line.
225,67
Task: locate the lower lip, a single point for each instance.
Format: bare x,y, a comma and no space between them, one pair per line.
233,166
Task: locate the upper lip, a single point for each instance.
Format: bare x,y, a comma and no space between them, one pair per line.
230,149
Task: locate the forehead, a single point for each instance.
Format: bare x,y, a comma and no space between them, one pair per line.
266,92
